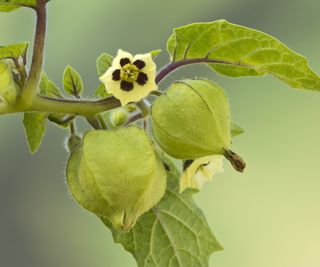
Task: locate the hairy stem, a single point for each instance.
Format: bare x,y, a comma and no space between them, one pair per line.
65,120
84,107
30,101
22,71
72,128
102,122
77,107
144,107
135,118
30,89
156,93
64,106
171,67
94,122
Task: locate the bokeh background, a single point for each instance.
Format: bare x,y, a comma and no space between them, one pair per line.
267,217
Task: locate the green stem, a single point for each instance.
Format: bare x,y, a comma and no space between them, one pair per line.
135,118
156,93
6,109
78,107
30,101
64,106
30,89
94,122
72,128
171,67
64,120
144,107
102,122
22,71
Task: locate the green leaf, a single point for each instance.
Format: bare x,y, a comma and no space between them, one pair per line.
9,90
43,83
13,51
60,119
101,91
104,62
8,8
72,82
235,51
48,87
173,234
236,130
35,127
155,53
35,123
53,90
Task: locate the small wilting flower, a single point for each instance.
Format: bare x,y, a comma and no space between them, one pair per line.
130,78
197,172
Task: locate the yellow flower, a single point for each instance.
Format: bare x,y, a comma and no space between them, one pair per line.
130,78
197,172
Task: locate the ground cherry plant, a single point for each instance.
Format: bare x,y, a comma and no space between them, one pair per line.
150,148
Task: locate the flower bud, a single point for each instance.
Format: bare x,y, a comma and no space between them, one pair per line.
9,90
116,175
73,142
130,108
118,117
197,172
192,120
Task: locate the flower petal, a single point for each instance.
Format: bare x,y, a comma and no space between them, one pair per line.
114,87
126,86
126,91
200,171
108,75
108,81
116,75
124,61
121,55
139,92
142,78
144,90
140,64
148,60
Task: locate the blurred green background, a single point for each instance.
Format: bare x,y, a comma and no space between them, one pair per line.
267,217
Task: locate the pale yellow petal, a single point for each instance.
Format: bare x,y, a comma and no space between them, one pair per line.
151,73
121,54
148,60
137,93
113,87
215,165
151,84
107,80
185,182
200,171
144,90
